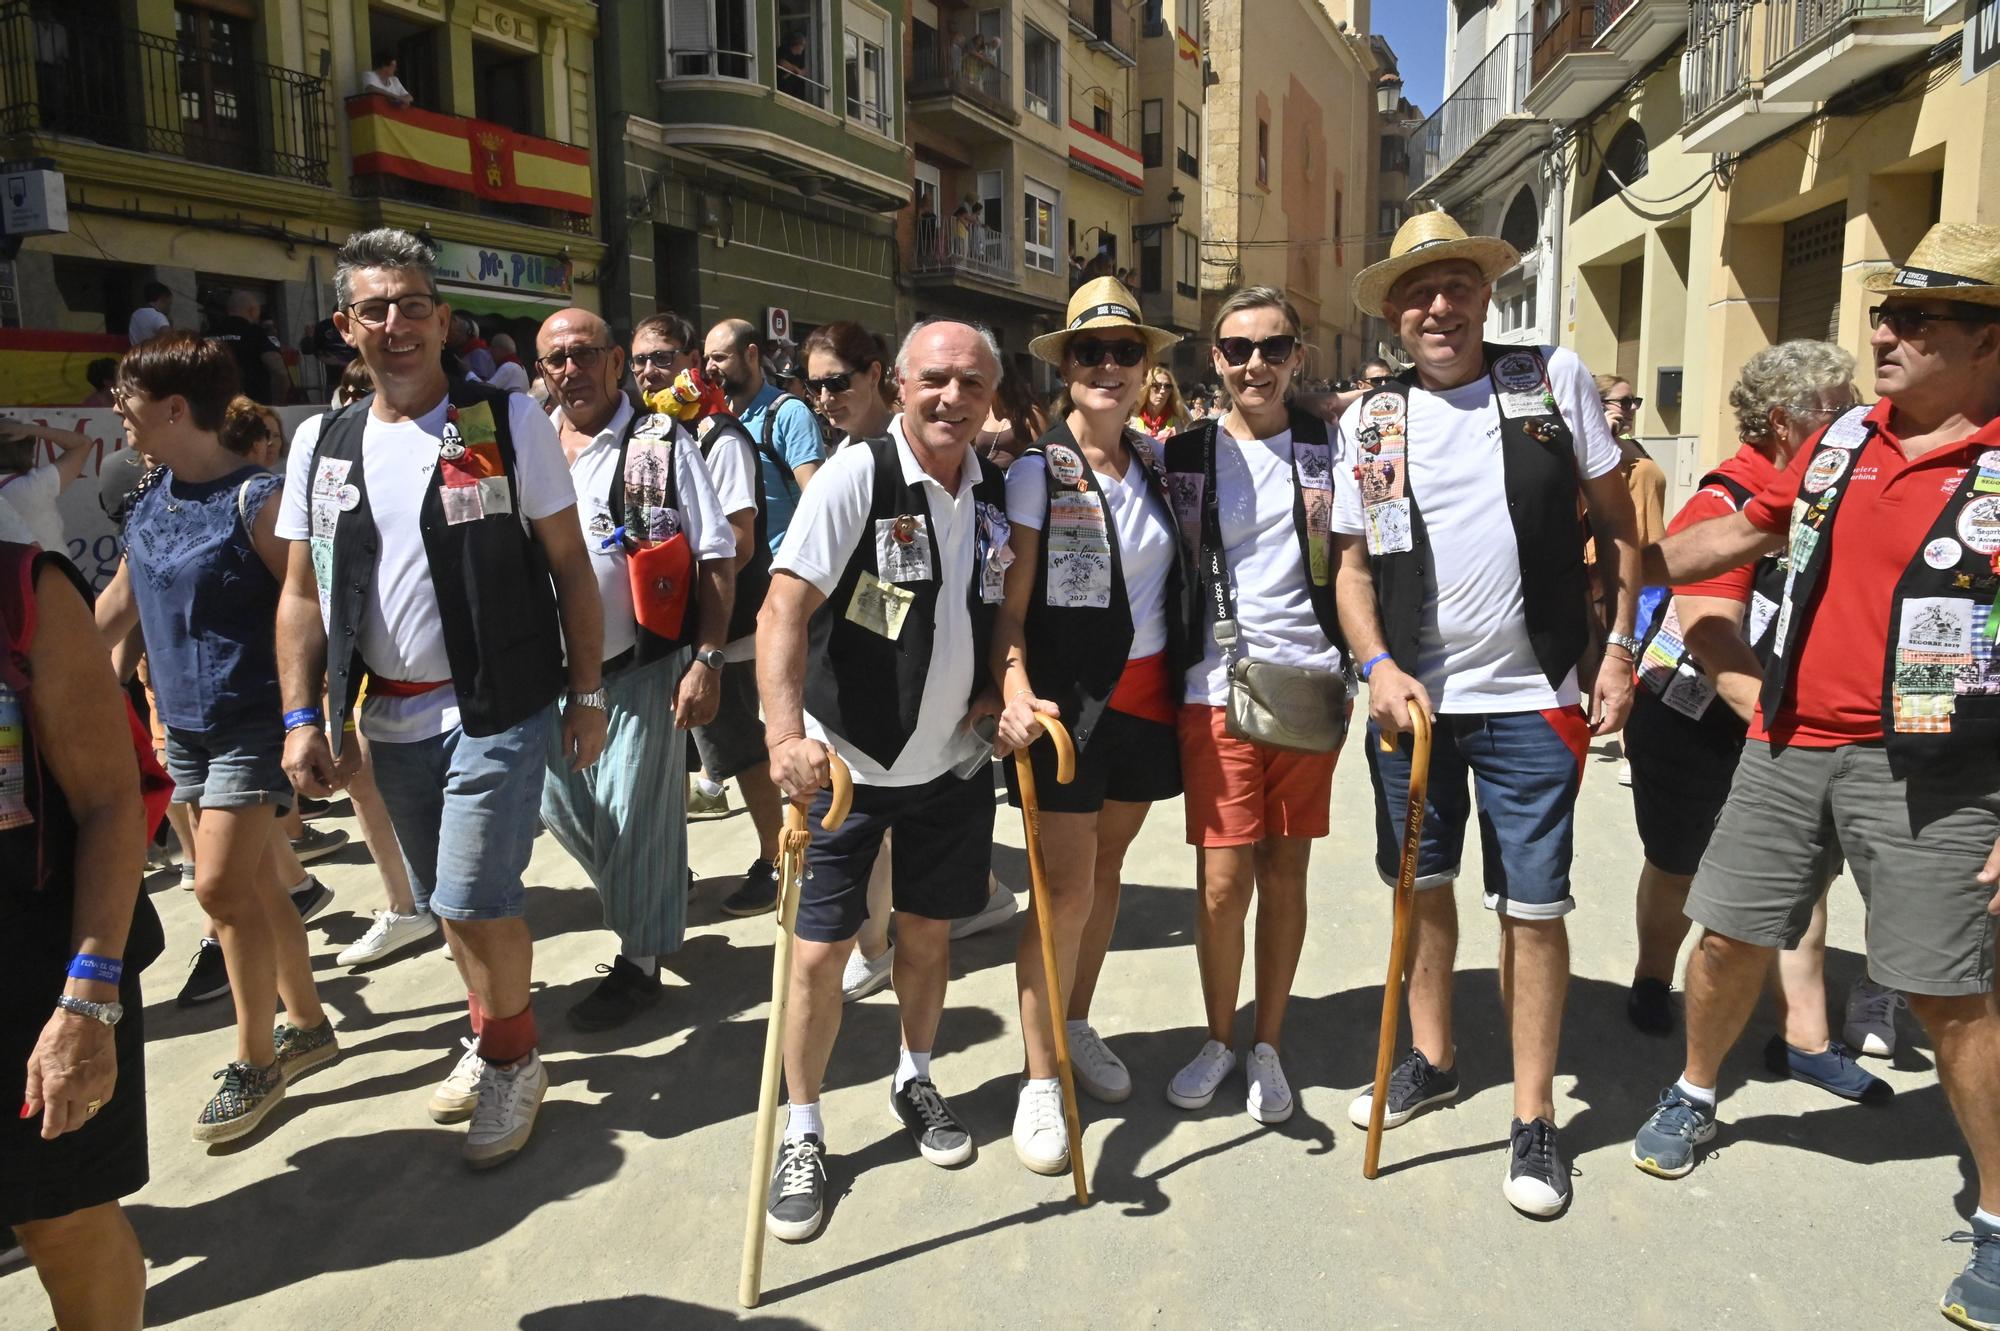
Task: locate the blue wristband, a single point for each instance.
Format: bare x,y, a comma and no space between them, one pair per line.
1368,666
303,716
106,970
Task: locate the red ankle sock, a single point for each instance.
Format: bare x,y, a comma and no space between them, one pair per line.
504,1040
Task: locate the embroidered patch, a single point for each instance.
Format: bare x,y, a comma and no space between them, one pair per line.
462,503
1848,432
13,762
1079,542
1979,524
1518,372
902,549
494,496
1388,525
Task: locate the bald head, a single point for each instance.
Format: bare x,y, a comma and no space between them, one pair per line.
948,372
731,357
245,304
583,368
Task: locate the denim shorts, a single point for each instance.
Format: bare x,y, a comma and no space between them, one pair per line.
466,811
1526,768
938,861
236,765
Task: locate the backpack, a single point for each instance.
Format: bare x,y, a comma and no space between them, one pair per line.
18,615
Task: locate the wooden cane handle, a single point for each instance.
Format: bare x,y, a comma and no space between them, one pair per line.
1058,734
843,792
1420,727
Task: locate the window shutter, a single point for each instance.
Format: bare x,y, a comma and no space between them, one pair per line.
1809,290
691,26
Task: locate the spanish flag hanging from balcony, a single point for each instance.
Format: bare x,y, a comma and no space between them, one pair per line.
1190,49
473,156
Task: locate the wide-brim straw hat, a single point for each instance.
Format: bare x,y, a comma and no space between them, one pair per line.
1102,302
1954,261
1426,239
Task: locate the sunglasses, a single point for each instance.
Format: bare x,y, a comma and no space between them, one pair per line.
830,383
374,313
1628,403
1911,323
1092,351
1377,380
583,358
646,360
1236,350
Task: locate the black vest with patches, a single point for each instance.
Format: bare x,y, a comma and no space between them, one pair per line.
1077,652
865,687
754,578
496,603
1540,482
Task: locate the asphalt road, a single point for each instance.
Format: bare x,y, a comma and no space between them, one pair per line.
351,1210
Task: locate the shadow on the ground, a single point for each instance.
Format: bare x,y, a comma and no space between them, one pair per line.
647,1312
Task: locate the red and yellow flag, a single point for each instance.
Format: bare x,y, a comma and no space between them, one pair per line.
487,160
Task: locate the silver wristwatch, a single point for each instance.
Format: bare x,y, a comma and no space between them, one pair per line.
108,1013
1625,640
597,698
711,657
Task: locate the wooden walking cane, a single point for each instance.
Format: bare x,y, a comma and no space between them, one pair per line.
791,869
1031,820
1399,933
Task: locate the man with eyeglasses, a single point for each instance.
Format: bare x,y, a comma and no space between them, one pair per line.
662,346
640,483
435,547
1878,727
1463,594
786,439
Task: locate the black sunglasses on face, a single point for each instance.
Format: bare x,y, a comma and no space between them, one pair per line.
561,359
1629,403
1092,351
1376,380
1236,350
1911,323
831,383
645,360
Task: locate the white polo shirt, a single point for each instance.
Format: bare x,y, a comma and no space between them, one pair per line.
831,519
593,473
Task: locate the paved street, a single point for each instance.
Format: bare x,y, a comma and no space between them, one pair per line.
352,1210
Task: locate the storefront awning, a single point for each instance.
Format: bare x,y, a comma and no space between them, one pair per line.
512,304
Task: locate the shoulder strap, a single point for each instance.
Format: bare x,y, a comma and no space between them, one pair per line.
1214,570
1739,492
243,503
764,444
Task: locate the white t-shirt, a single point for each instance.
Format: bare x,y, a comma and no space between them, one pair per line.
32,496
1274,611
593,474
1145,539
145,324
373,82
14,530
1473,652
831,520
401,634
510,376
732,465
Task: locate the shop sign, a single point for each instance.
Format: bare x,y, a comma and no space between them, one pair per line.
1981,40
504,270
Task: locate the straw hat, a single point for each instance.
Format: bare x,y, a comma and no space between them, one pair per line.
1954,261
1429,238
1102,302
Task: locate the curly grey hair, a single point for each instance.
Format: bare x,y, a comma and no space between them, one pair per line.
1791,377
384,247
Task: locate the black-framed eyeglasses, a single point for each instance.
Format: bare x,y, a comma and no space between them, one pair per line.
646,360
374,312
830,383
1906,322
1236,350
584,358
1092,351
1628,403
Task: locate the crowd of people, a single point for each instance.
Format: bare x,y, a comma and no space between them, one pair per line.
683,562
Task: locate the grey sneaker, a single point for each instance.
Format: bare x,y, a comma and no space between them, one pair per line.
1665,1146
862,977
1414,1086
301,1050
797,1205
926,1116
509,1101
1537,1171
1973,1300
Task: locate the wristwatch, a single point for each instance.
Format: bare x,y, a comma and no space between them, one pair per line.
108,1013
1625,640
710,657
597,698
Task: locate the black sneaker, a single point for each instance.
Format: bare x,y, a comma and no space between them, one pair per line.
623,993
1537,1173
317,844
312,808
937,1132
208,977
311,899
758,894
1413,1087
1649,1007
797,1206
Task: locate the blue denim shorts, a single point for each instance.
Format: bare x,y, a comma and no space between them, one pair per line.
466,811
236,765
1525,769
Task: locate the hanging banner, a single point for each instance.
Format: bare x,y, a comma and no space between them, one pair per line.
486,160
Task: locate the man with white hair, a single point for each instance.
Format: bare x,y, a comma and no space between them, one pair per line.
873,641
508,372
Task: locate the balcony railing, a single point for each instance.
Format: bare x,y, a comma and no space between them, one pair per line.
62,74
1575,29
935,73
804,87
1492,90
1796,26
1608,12
946,249
1716,64
1106,26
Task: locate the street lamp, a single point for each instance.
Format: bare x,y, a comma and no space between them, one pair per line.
1176,206
1388,93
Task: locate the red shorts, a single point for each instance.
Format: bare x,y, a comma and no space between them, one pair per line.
1238,793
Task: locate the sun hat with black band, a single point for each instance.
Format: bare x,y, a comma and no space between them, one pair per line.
1954,261
1425,239
1102,302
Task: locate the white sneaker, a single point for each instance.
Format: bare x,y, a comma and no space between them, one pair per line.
1101,1074
455,1096
1270,1099
1871,1018
509,1100
390,934
1194,1085
1000,908
1624,771
862,976
1041,1139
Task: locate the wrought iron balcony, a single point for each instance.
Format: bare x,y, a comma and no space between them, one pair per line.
1716,64
61,74
1491,92
1798,27
969,75
1106,26
944,249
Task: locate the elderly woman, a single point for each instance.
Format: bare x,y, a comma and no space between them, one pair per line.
1699,677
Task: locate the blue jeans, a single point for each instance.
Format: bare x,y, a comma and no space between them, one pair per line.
235,765
466,811
1526,768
